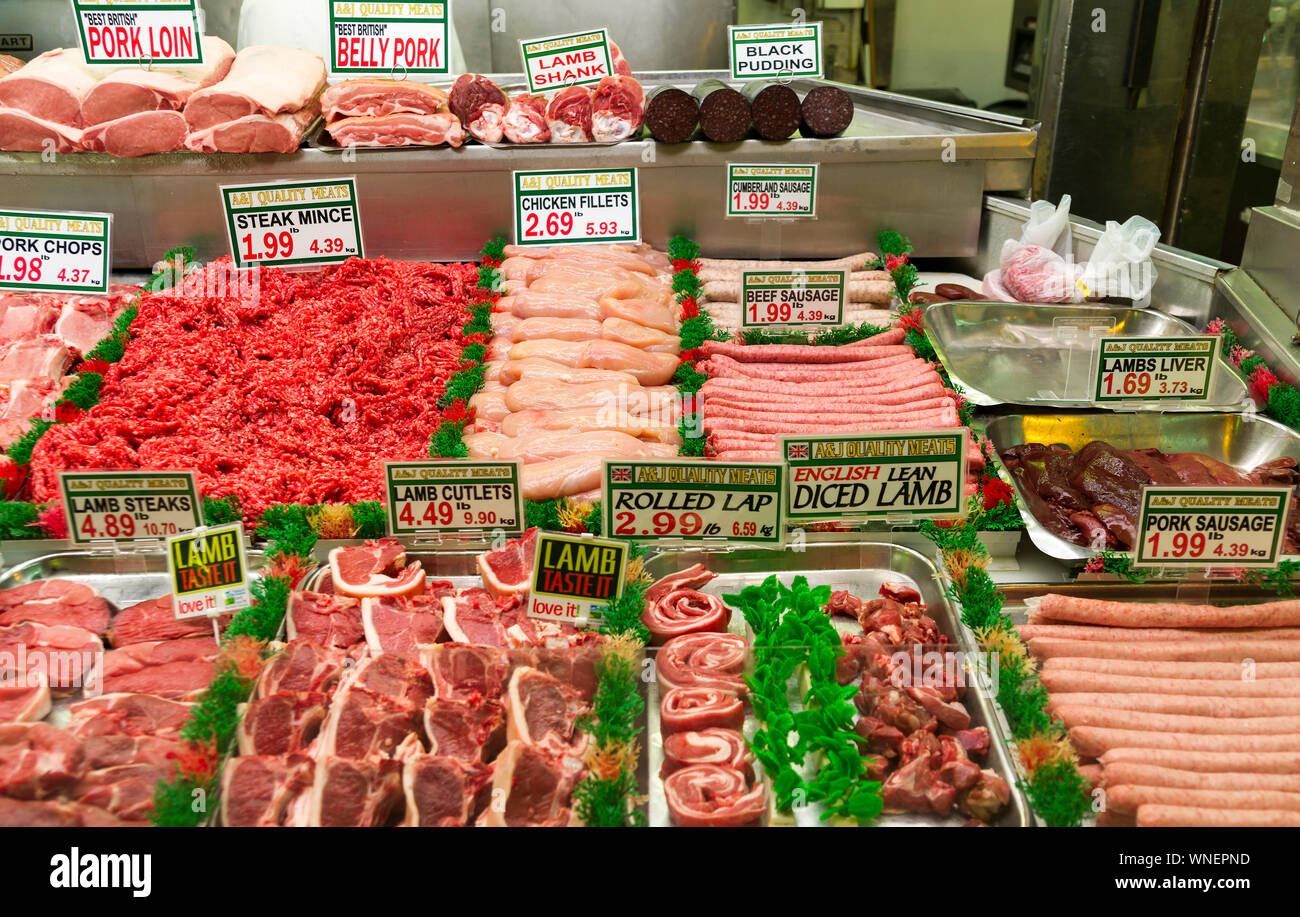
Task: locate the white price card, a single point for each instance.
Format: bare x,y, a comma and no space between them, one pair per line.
572,59
902,474
293,223
769,52
393,39
693,501
453,496
208,571
129,505
756,190
139,31
56,251
1211,526
575,577
791,298
1155,369
577,205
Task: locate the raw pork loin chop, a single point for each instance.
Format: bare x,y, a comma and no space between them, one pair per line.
376,568
508,570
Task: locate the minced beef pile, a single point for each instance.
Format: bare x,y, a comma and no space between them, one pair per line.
296,395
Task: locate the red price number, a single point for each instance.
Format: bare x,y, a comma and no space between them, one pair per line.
435,515
22,270
273,246
555,224
110,525
661,524
1127,383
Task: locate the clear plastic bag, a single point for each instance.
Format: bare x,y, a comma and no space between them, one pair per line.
1120,265
1038,267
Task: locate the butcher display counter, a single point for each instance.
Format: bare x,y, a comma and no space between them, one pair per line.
911,165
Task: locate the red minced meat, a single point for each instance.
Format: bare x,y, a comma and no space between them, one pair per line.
296,396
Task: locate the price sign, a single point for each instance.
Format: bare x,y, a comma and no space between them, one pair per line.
58,251
693,501
772,51
453,496
771,191
577,206
792,298
905,473
293,223
139,31
129,505
1211,526
208,571
574,578
574,59
388,38
1155,369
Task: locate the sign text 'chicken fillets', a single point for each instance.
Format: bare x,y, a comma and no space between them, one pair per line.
453,497
574,59
692,501
575,577
592,205
1211,527
388,39
59,252
144,32
208,572
293,223
129,505
863,476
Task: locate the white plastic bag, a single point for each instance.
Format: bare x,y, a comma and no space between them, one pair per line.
1038,267
1120,265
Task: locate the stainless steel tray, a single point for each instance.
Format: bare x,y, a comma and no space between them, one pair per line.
123,580
1240,440
1044,356
860,568
887,170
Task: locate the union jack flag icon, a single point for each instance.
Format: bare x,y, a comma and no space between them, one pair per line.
621,474
796,451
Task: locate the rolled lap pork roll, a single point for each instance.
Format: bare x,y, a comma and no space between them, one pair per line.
684,611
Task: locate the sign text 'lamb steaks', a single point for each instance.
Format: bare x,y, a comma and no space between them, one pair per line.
574,578
293,223
129,505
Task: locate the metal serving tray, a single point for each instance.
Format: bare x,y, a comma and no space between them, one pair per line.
860,568
887,171
1241,440
1044,356
122,580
